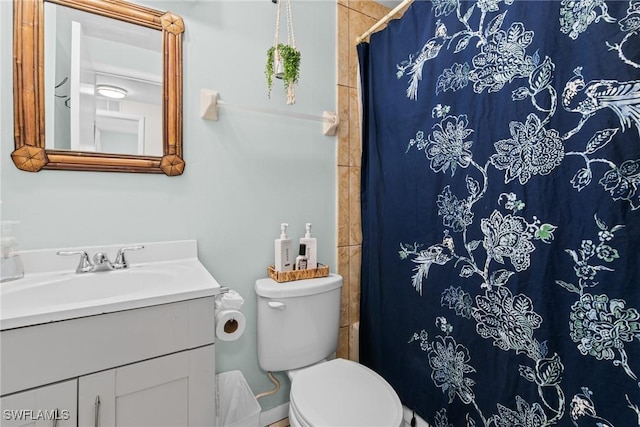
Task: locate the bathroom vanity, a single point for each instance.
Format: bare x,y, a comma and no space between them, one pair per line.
140,356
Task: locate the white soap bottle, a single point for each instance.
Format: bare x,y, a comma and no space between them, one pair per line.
312,247
284,250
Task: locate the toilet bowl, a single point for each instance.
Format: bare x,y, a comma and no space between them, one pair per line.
298,325
342,393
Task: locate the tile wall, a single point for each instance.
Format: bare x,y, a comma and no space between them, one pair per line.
354,18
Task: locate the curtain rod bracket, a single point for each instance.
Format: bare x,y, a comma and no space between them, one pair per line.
209,104
383,21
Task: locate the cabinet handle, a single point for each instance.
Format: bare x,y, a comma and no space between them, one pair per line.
56,414
97,412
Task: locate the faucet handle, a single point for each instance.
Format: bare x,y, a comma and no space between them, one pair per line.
121,261
84,265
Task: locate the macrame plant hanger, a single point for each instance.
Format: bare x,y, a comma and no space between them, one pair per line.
279,65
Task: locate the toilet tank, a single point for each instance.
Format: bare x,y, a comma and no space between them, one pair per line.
298,321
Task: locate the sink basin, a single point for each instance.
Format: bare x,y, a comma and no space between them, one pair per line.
60,295
84,288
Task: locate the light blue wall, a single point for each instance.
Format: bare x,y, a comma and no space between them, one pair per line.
244,174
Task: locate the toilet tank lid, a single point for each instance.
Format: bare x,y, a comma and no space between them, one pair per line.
269,288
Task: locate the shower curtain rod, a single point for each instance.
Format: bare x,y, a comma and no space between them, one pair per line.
383,21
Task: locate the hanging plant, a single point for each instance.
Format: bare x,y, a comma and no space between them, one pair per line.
283,60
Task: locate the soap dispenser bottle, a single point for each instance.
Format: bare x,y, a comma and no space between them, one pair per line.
284,250
311,247
11,267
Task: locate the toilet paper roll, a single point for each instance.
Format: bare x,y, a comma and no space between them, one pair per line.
230,324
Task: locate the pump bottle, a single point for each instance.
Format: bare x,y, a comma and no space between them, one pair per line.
311,247
283,250
11,267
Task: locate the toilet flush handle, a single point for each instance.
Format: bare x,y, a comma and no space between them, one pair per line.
277,305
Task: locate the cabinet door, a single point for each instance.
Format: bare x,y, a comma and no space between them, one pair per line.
171,391
50,406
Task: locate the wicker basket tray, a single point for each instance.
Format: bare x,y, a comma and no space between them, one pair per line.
288,276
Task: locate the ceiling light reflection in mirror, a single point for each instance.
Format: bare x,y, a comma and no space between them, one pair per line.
103,84
112,92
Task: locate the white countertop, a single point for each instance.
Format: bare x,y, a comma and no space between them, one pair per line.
51,291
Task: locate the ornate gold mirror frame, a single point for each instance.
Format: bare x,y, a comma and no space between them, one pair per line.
28,72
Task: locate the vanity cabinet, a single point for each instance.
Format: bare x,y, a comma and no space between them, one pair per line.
149,366
168,391
53,405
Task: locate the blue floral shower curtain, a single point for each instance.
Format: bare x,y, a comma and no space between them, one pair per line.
501,211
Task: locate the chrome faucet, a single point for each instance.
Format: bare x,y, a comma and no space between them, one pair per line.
101,260
101,263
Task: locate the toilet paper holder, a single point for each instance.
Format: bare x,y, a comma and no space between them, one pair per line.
230,322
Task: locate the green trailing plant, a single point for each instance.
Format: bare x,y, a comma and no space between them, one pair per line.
290,58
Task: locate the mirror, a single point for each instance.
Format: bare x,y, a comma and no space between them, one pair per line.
97,87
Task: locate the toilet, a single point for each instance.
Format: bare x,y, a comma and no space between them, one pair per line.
298,324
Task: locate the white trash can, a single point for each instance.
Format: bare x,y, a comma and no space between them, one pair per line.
236,404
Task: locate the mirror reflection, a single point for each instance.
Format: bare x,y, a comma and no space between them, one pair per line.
104,94
103,84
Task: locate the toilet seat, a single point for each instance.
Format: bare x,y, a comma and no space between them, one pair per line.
342,393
